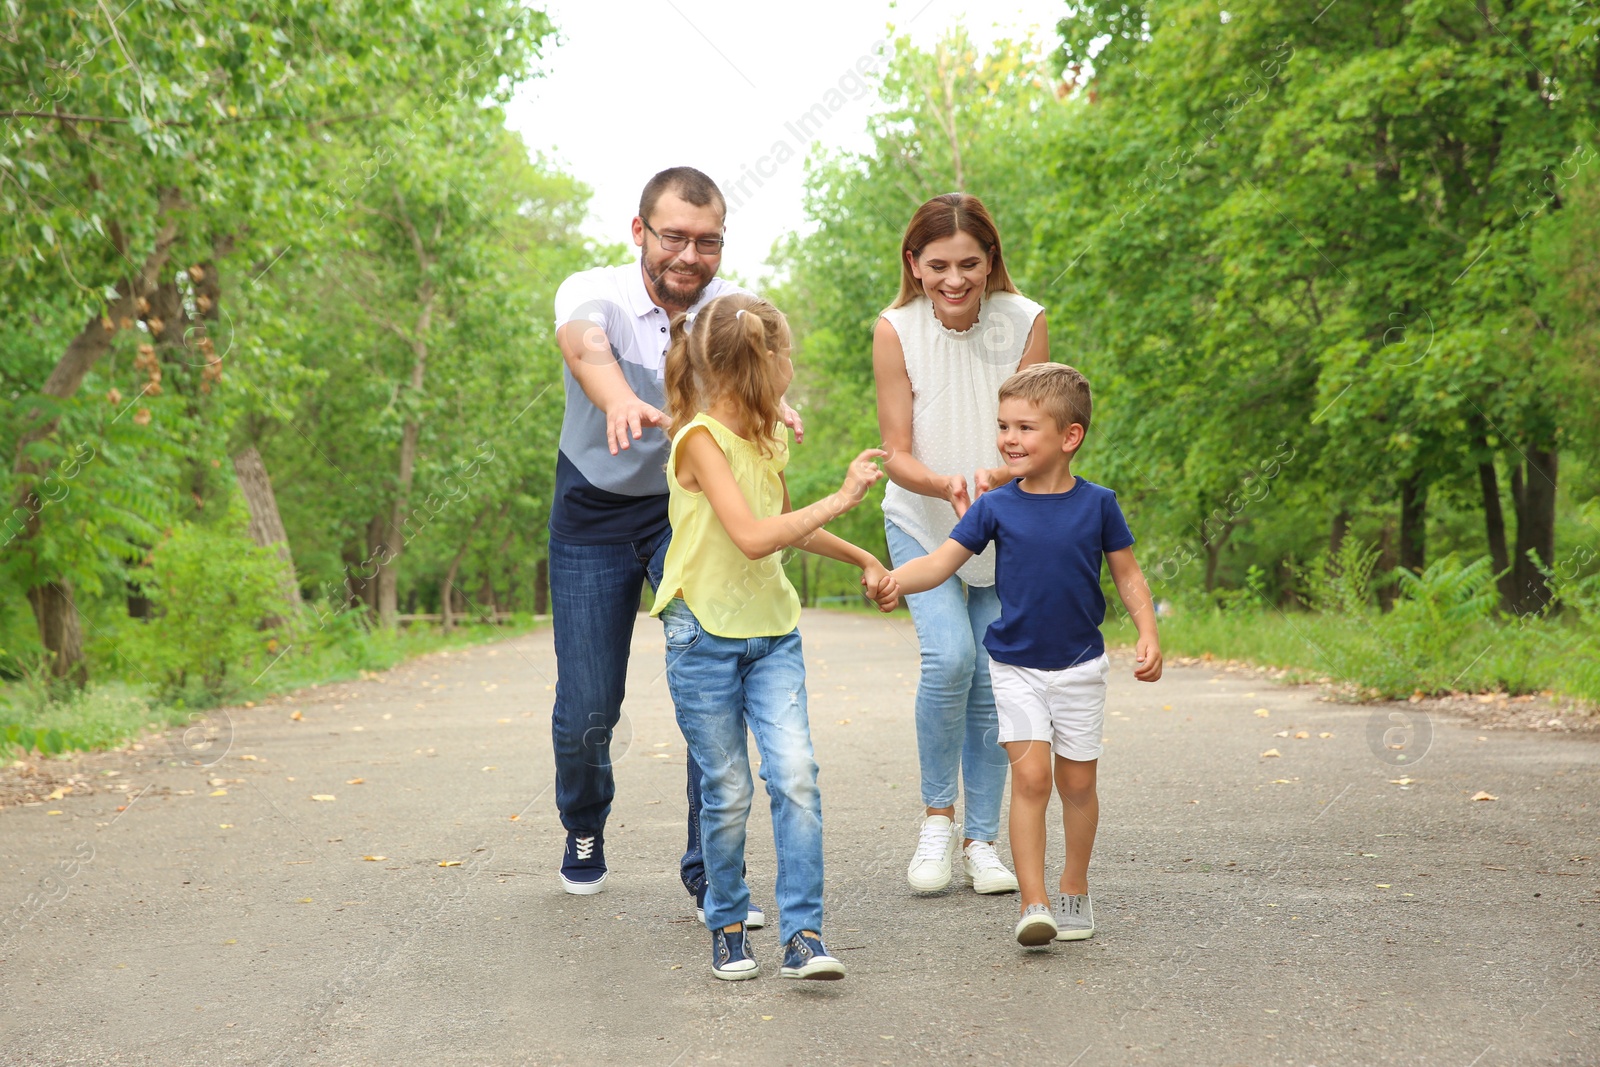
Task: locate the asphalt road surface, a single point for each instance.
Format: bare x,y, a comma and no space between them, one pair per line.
374,882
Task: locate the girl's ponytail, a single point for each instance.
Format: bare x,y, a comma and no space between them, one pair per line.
683,398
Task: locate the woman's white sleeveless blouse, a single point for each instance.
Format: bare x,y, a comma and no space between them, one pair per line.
955,400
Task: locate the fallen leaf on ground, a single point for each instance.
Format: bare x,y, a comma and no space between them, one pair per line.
217,793
449,863
250,757
1280,781
224,826
59,793
374,859
303,900
1270,753
1301,735
1401,781
1324,735
1281,733
52,813
1383,885
296,716
323,796
1262,713
514,818
1482,795
355,781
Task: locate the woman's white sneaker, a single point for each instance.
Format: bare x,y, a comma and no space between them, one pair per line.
936,852
985,871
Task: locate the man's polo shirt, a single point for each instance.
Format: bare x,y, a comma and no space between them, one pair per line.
601,499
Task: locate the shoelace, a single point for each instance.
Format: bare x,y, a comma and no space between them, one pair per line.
983,855
933,843
585,847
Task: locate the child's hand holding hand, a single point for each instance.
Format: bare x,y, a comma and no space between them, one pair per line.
879,587
1147,659
862,475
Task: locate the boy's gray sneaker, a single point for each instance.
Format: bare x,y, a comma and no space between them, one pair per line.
1074,915
1036,927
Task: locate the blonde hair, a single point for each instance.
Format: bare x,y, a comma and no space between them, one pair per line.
1061,391
730,354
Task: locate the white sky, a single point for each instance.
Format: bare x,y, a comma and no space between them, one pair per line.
634,86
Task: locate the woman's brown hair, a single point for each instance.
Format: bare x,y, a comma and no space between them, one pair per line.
944,216
730,353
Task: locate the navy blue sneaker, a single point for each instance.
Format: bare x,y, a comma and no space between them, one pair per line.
583,867
805,957
730,956
755,919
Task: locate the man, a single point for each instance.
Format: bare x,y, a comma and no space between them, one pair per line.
608,522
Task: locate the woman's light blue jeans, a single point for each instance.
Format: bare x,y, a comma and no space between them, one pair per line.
957,731
721,685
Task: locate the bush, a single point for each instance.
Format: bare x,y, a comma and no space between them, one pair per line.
213,593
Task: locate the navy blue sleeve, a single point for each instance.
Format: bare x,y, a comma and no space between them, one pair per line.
976,528
1114,532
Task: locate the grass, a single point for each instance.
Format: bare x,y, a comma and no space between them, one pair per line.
1373,656
54,720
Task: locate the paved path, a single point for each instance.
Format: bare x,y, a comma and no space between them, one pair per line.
1300,909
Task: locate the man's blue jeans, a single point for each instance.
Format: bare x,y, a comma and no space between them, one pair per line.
594,598
957,729
721,685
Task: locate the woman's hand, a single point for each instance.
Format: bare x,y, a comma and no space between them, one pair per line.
862,475
955,491
991,478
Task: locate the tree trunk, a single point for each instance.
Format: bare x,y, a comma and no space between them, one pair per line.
1494,522
1386,563
1337,532
1413,524
54,609
541,587
388,574
1535,499
266,525
57,614
446,614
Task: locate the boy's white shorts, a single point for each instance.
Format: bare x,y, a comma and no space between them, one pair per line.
1065,707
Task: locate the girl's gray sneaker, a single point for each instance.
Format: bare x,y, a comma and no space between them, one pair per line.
1074,916
1036,927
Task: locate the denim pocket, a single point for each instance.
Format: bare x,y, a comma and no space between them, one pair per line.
682,628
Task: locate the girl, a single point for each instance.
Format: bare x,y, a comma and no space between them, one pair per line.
733,653
958,329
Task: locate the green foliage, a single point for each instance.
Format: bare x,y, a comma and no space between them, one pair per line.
1340,584
214,593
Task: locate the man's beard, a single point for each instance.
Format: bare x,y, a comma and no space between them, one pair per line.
667,293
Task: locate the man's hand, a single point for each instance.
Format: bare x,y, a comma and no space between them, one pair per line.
1147,656
629,419
955,491
791,419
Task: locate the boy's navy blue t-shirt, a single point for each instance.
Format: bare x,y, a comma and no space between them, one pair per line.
1048,551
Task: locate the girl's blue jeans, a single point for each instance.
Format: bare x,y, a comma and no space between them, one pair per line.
957,730
720,686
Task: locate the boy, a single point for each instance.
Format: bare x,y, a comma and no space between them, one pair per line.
1047,659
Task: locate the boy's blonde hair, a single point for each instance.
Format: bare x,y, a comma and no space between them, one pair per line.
731,353
1061,391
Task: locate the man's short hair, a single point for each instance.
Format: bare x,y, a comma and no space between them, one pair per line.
692,185
1059,390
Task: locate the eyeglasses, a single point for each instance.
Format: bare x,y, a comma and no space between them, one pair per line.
677,242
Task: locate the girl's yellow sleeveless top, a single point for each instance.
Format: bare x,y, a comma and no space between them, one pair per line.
730,594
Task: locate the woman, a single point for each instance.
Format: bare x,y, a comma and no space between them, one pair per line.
958,329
